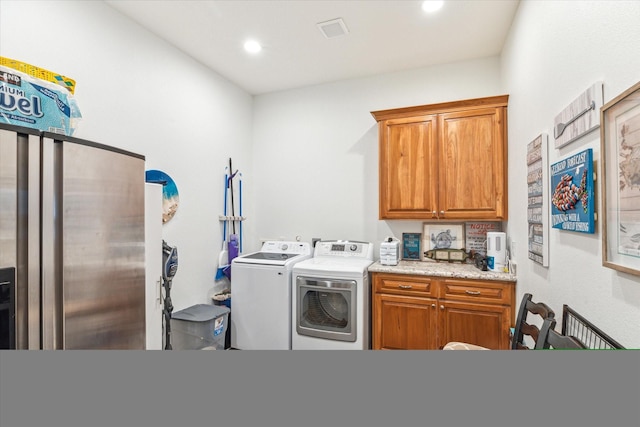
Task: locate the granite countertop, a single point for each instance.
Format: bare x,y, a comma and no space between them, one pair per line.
441,269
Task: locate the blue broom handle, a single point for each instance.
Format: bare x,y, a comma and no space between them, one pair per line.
240,213
224,226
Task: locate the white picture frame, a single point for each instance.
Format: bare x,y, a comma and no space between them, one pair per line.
448,235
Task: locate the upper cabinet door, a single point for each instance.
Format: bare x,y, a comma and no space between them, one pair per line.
472,165
408,169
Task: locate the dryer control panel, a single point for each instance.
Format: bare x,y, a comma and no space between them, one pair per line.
344,248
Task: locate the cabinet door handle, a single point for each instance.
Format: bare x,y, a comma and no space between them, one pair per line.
442,307
405,286
434,214
433,306
442,213
472,292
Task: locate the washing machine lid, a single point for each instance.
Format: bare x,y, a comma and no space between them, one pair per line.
276,253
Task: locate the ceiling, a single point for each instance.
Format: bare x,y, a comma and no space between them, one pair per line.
382,37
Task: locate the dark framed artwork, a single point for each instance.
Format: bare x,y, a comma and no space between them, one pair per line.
411,246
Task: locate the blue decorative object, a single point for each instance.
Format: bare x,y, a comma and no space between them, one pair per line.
170,198
411,246
572,204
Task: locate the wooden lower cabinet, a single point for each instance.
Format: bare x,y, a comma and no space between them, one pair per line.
481,324
424,313
404,322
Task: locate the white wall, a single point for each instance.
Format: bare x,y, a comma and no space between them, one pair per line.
316,149
138,93
555,51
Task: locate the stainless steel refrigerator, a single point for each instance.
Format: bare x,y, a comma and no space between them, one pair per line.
72,243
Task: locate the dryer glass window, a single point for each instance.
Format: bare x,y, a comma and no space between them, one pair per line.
326,308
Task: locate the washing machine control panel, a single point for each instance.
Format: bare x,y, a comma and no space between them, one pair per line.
286,247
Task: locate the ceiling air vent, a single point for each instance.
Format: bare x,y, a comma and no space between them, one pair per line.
334,28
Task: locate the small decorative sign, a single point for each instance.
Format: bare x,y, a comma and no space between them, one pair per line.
411,246
476,235
580,117
537,189
572,204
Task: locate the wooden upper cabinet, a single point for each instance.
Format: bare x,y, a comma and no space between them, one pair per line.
407,166
444,161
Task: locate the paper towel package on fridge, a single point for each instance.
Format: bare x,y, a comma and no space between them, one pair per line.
31,102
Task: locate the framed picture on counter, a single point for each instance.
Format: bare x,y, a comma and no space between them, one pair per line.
411,246
443,236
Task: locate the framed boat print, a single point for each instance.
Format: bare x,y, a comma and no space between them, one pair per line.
620,152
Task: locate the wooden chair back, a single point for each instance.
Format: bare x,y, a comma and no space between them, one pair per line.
525,327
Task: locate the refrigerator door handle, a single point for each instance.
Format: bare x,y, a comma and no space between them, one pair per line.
19,226
52,324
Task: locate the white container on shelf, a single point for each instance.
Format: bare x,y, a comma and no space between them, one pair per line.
389,252
496,250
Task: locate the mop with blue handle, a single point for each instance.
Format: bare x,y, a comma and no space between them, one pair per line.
223,258
233,247
240,180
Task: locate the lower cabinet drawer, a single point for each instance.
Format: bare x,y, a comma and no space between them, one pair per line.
473,291
394,284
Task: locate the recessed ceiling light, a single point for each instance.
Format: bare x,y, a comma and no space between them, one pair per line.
431,6
252,46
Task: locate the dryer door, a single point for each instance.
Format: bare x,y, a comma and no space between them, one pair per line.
326,308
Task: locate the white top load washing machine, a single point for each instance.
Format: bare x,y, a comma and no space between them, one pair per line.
330,307
261,296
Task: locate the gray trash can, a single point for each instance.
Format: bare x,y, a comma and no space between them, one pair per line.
199,326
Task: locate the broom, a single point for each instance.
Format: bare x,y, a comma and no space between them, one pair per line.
223,258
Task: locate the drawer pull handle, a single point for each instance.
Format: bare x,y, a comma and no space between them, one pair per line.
405,286
472,292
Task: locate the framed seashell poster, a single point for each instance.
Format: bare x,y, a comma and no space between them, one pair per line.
572,195
443,236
